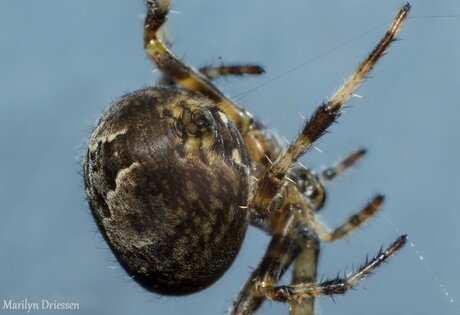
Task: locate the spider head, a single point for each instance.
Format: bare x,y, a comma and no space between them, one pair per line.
310,185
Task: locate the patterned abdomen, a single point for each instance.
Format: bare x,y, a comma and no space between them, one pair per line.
165,175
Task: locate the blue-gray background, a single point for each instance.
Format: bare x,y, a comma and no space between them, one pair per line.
62,62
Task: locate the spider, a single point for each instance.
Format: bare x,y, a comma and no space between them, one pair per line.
174,176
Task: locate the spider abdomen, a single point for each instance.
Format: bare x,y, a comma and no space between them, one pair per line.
166,175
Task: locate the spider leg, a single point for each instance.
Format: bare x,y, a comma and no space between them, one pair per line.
305,270
297,292
263,146
185,75
215,72
281,252
332,172
307,215
325,234
262,202
307,245
294,240
306,263
305,266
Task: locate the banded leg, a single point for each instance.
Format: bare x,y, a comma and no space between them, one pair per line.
306,263
291,238
215,72
352,223
297,292
262,201
305,266
332,172
307,244
187,76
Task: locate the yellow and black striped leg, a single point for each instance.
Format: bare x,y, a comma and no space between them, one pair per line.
297,292
262,202
305,266
332,172
292,241
307,261
183,74
352,223
215,72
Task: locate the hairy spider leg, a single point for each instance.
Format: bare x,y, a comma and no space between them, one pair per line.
262,202
327,235
339,285
302,247
281,252
215,72
263,147
290,238
306,263
331,172
185,75
318,124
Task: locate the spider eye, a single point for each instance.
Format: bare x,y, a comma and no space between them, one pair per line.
310,186
316,193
